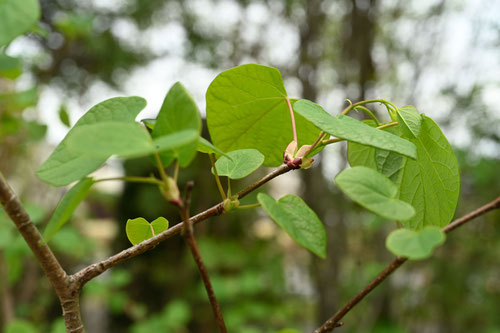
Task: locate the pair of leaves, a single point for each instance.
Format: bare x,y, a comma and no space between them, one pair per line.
415,245
139,229
16,18
353,130
247,108
431,183
239,163
293,215
65,166
374,191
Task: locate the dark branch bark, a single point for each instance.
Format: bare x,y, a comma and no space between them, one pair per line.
66,289
331,323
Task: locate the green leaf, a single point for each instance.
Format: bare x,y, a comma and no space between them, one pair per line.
239,163
374,191
409,119
16,18
247,108
350,129
66,207
124,139
10,67
178,112
63,166
205,146
139,229
64,116
293,215
415,245
431,184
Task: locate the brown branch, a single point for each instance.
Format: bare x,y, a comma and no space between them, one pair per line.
66,289
91,271
331,323
191,242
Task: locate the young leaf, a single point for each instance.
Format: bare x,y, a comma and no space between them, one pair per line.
205,146
247,108
409,119
431,184
374,191
350,129
16,18
63,166
239,163
66,207
124,139
139,229
64,116
178,112
293,215
415,245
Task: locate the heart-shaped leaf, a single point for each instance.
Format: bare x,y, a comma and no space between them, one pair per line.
67,206
293,215
247,108
16,18
139,229
415,245
374,191
178,113
124,139
63,166
239,163
410,121
350,129
431,184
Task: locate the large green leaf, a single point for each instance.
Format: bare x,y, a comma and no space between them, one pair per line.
63,166
293,215
139,229
409,119
124,139
67,206
415,245
374,191
350,129
247,108
239,163
16,18
178,112
431,184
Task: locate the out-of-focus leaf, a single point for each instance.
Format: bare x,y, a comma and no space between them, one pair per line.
16,18
415,244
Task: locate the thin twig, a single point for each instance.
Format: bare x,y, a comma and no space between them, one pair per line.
331,323
161,169
88,273
191,242
150,180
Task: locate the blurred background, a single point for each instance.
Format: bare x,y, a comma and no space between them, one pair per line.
441,56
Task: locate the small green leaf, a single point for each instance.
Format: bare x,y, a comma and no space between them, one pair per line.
123,139
247,108
10,67
374,191
178,113
353,130
63,166
415,245
293,215
64,116
205,146
16,18
139,229
239,163
66,207
410,121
